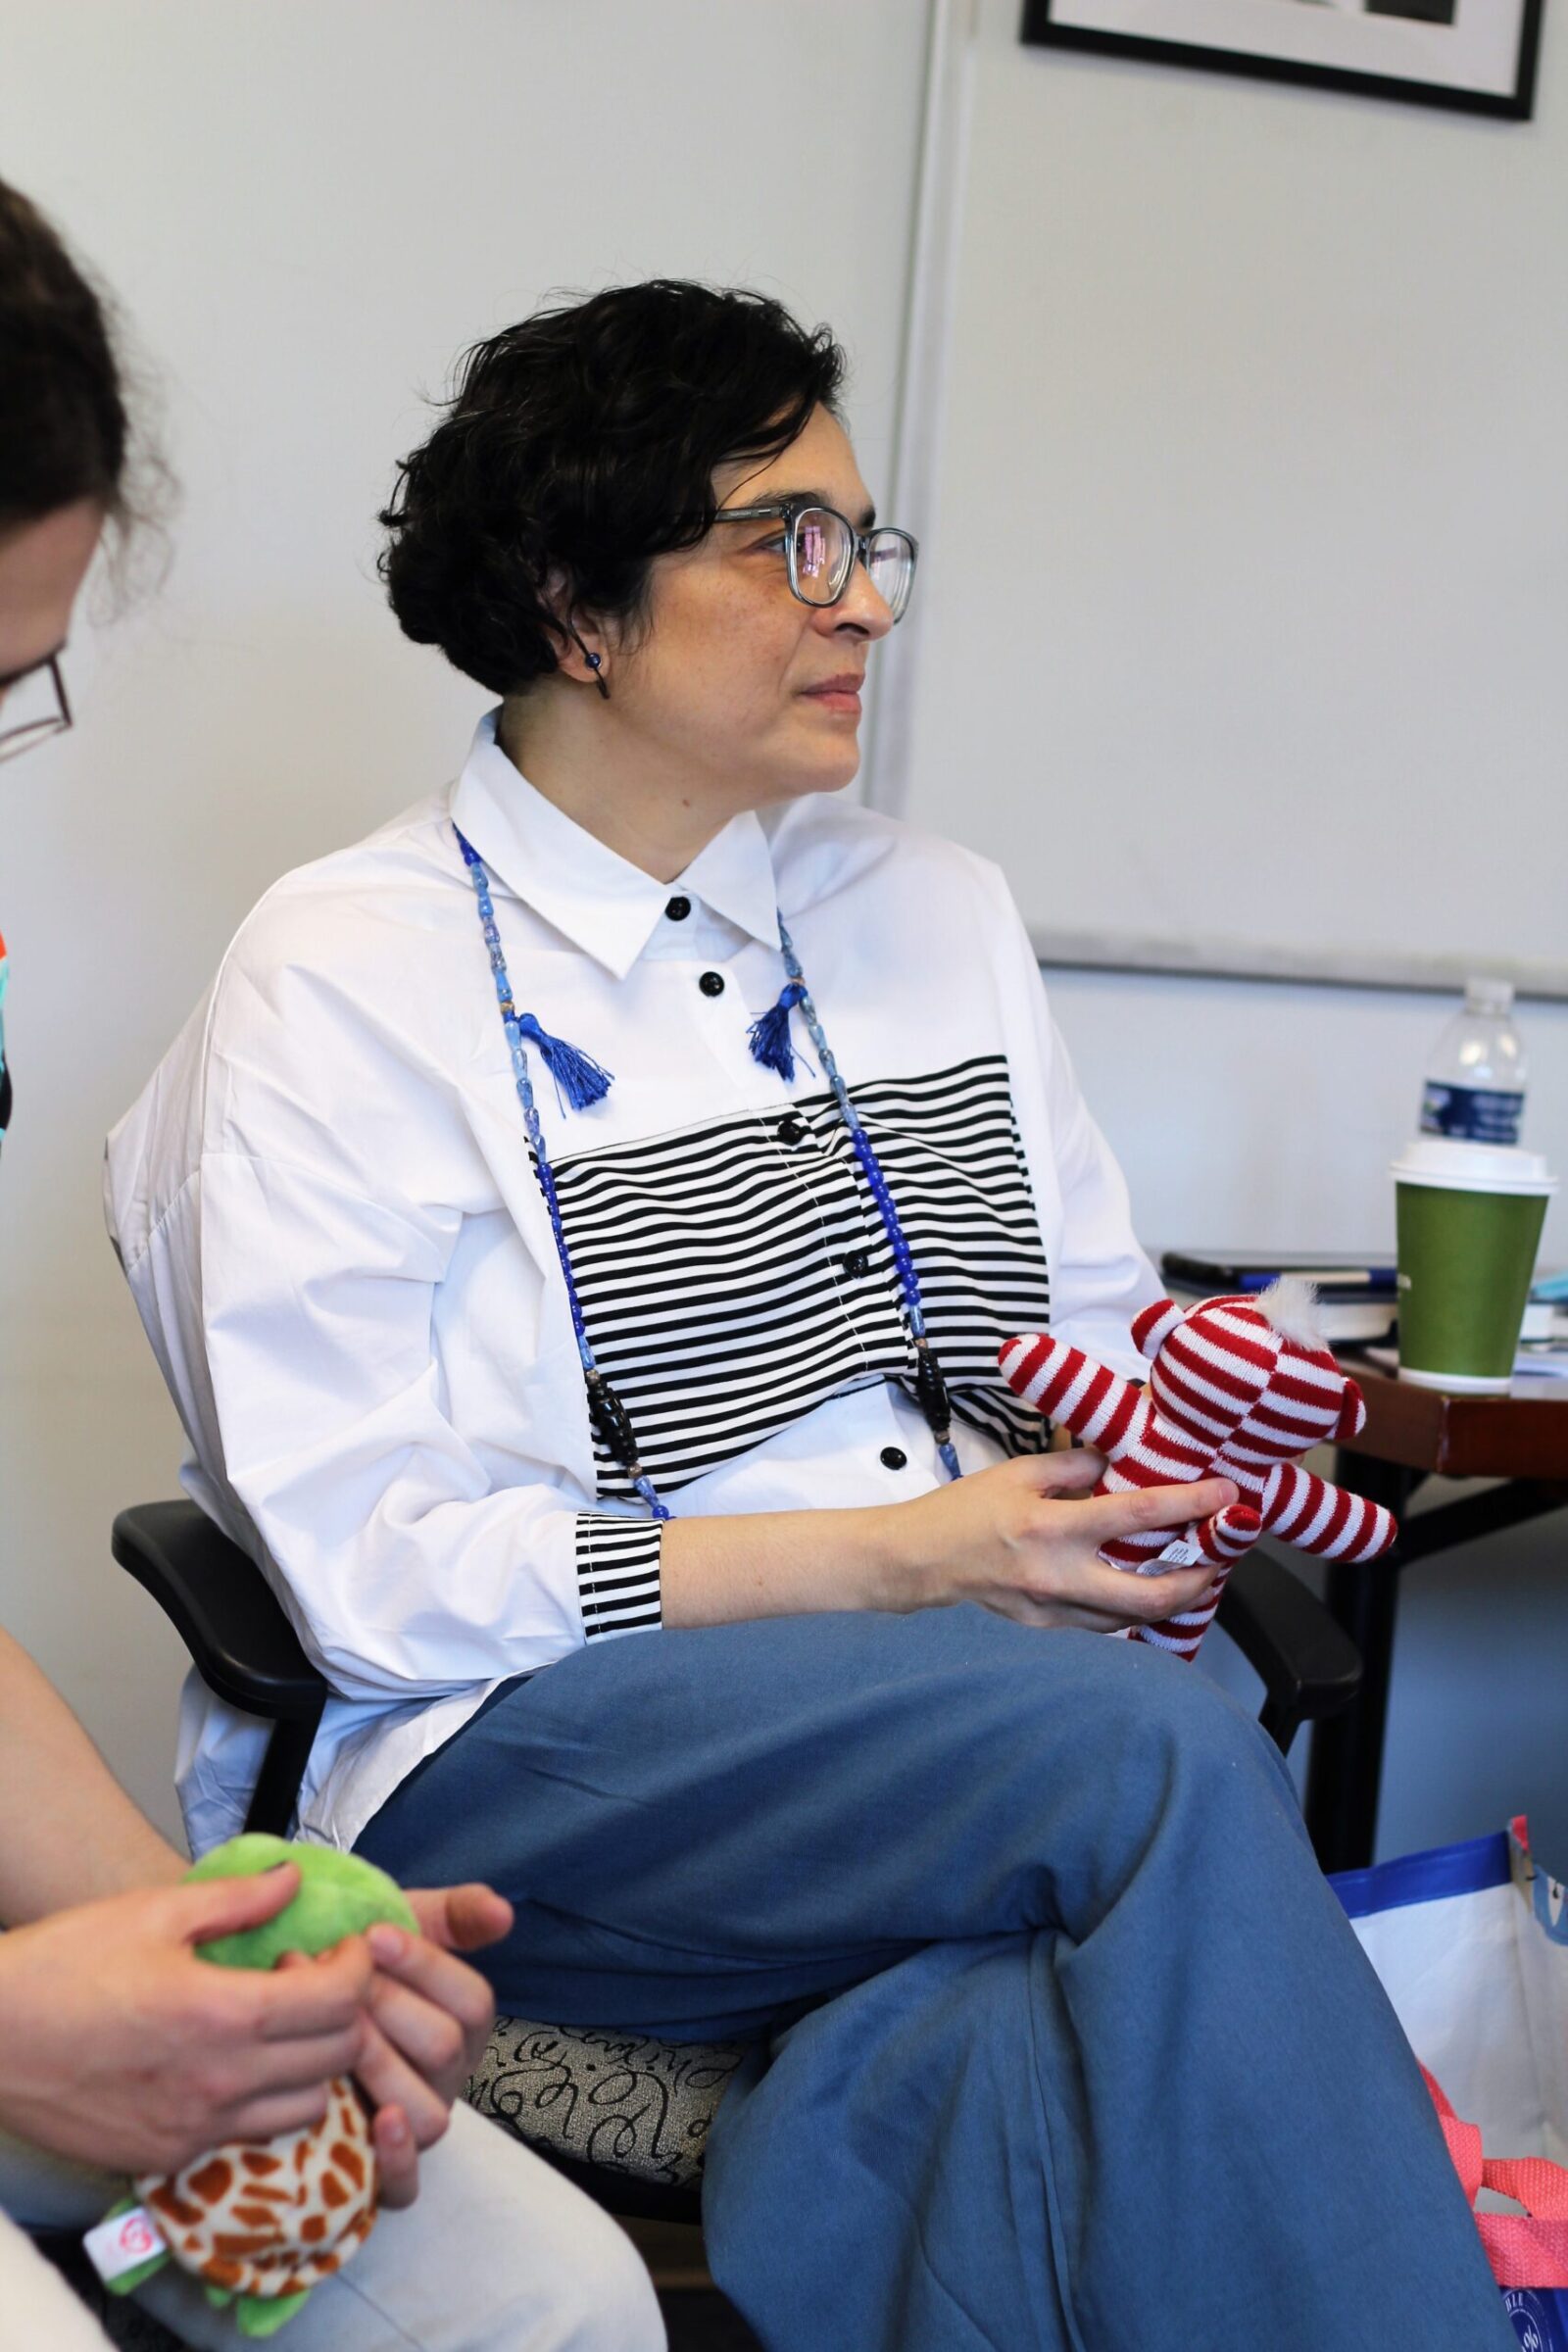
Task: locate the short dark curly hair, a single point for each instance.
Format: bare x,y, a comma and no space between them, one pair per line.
578,445
64,431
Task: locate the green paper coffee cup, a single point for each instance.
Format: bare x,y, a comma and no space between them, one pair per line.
1469,1219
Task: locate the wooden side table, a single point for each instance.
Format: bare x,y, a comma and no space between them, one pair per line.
1411,1434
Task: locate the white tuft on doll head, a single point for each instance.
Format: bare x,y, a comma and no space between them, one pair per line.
1291,1307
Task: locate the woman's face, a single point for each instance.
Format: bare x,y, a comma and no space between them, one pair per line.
729,676
42,564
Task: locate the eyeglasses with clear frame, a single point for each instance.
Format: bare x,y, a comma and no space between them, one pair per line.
34,706
821,548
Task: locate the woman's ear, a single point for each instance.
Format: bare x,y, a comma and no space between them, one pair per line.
582,651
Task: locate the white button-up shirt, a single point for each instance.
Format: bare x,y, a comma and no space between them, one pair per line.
336,1237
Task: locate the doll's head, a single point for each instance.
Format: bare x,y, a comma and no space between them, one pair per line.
1249,1371
340,1895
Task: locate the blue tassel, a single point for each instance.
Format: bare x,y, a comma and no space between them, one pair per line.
771,1035
578,1076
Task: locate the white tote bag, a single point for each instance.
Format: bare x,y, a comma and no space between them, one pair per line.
1471,1945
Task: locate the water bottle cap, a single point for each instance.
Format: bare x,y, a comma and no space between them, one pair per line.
1489,996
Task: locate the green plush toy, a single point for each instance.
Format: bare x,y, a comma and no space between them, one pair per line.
261,2223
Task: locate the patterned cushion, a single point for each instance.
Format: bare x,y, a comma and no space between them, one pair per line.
602,2097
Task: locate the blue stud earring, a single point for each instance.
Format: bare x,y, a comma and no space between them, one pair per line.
595,661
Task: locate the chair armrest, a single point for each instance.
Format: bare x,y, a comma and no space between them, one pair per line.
1308,1665
246,1650
222,1608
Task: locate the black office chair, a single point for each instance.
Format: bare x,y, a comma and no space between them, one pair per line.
623,2115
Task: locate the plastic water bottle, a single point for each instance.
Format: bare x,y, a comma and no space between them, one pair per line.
1475,1080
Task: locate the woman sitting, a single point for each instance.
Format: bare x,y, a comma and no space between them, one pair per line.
578,1229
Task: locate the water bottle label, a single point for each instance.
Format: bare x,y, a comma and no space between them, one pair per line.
1471,1115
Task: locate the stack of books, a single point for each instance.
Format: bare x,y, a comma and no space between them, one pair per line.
1544,1339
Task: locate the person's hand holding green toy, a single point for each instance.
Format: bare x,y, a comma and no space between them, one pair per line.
263,2223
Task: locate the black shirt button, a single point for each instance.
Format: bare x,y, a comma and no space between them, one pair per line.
712,984
678,910
792,1128
858,1263
894,1457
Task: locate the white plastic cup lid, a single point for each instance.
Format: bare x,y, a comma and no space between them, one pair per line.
1457,1167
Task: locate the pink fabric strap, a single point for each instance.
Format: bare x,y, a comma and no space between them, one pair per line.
1528,2249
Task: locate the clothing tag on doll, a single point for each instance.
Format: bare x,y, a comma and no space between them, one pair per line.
123,2242
1178,1553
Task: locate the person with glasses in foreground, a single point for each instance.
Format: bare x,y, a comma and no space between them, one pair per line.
119,2050
579,1226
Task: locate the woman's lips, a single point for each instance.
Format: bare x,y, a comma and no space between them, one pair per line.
837,693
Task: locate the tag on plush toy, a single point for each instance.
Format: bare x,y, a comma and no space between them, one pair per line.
125,2240
1179,1554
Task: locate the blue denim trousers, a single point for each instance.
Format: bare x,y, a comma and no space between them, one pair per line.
1062,2039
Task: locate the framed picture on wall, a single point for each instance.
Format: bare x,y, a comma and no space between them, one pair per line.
1477,54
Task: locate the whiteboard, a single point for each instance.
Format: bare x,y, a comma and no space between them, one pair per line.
1235,443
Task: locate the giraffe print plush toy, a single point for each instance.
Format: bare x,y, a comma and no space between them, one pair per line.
262,2224
1237,1388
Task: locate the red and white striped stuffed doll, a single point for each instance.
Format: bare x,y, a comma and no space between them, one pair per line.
1237,1388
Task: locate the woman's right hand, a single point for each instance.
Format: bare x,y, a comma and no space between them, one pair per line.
119,2048
1021,1539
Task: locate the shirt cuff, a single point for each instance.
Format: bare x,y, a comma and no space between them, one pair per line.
617,1573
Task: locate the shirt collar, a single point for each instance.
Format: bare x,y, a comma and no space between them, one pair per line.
599,900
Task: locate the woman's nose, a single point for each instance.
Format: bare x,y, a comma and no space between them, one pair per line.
862,605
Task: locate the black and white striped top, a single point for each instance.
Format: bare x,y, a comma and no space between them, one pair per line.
330,1219
734,1277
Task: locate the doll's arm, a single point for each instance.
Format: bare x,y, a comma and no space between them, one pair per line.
1223,1539
1070,1389
1305,1510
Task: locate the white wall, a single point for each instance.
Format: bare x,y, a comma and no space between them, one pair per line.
308,208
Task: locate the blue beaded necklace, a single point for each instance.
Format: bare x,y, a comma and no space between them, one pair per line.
580,1080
